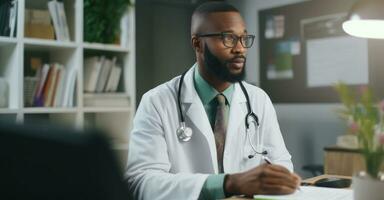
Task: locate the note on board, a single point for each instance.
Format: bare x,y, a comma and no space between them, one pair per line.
334,59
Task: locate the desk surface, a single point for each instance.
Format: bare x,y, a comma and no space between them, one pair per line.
309,181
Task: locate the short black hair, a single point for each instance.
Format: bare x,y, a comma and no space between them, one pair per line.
207,8
214,6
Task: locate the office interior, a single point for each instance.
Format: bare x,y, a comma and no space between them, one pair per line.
162,50
306,127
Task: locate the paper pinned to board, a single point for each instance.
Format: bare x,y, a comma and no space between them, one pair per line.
334,59
312,193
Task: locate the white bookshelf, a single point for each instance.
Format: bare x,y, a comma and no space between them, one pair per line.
116,121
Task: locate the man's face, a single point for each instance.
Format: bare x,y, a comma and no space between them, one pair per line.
223,62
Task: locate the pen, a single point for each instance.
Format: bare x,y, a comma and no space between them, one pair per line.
266,159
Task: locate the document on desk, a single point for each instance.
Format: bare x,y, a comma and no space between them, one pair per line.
311,193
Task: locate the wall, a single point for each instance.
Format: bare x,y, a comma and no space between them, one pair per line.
306,128
163,44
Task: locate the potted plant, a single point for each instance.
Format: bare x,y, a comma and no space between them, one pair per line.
365,117
102,20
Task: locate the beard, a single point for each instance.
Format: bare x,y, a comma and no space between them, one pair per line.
220,69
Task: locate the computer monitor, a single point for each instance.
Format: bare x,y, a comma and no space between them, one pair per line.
57,163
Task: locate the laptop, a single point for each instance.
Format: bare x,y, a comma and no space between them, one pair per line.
47,162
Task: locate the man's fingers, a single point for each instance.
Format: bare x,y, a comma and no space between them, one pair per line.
276,189
291,183
297,178
279,168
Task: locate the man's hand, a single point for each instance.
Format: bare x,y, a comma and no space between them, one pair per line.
264,179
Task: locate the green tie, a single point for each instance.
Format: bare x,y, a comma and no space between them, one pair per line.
220,129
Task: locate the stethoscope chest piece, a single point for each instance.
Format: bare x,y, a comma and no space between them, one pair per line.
184,133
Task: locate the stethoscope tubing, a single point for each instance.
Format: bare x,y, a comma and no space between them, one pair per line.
250,114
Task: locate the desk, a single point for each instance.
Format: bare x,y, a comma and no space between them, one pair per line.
310,181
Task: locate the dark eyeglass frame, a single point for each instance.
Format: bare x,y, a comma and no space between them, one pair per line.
235,37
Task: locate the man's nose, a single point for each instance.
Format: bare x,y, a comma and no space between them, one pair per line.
238,48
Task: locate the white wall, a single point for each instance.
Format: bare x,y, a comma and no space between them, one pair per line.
306,128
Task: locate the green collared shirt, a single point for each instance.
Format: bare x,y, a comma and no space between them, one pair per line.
213,186
207,95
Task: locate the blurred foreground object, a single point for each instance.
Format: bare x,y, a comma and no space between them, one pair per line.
57,163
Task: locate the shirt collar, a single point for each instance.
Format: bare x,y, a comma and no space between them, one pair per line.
206,92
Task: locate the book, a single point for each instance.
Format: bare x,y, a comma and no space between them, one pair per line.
114,79
92,66
55,19
110,77
103,76
4,93
48,85
69,88
63,21
5,8
42,76
30,83
49,95
13,18
117,75
58,99
106,100
57,12
38,24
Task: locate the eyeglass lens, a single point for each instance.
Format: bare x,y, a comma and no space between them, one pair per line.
231,40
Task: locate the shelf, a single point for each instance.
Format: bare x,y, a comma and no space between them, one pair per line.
105,47
7,40
8,111
106,109
49,110
109,95
49,43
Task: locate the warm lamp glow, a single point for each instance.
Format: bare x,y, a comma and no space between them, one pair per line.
365,28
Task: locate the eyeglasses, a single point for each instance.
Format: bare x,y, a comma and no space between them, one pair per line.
230,40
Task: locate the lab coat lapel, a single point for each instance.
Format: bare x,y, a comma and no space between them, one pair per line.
195,112
237,113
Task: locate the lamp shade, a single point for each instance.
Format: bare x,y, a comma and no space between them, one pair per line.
366,19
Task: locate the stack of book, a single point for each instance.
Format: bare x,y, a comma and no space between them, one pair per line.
4,93
8,17
101,74
38,24
54,86
57,11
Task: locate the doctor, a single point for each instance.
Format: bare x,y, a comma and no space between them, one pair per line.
190,138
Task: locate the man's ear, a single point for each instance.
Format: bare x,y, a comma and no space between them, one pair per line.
196,43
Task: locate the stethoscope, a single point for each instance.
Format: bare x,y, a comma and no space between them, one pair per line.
185,133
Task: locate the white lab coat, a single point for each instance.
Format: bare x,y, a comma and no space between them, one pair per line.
162,167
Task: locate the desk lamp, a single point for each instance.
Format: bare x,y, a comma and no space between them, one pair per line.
366,19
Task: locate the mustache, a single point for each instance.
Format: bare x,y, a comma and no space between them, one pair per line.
237,57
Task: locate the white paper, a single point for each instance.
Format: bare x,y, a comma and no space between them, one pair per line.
312,193
330,60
